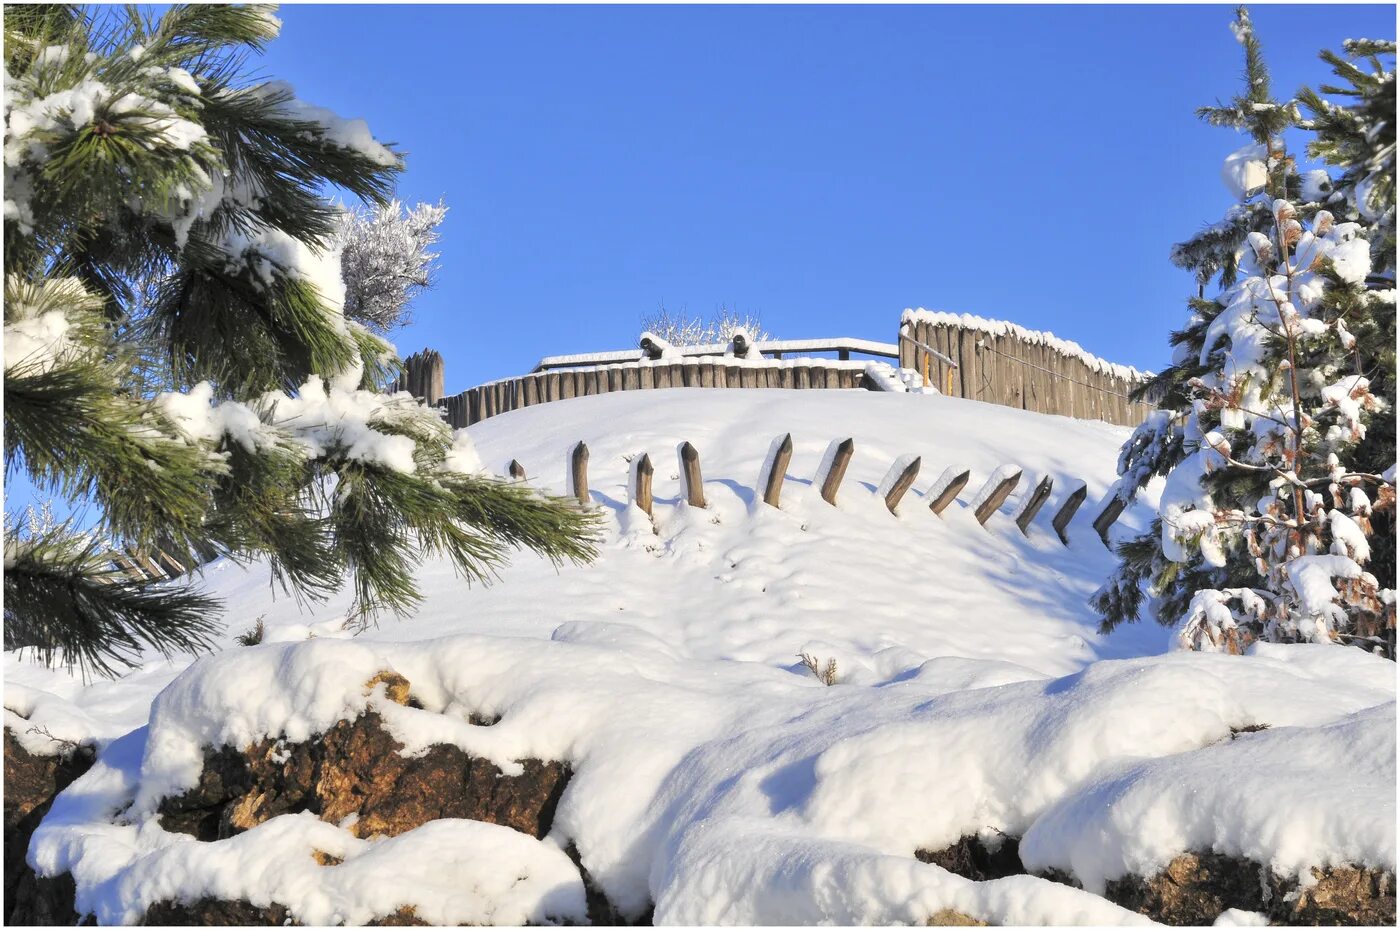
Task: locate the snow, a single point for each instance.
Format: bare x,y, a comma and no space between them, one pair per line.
1246,171
1050,340
352,134
713,775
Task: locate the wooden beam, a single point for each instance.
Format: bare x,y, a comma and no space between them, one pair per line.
690,475
840,459
1067,511
1039,496
949,493
901,484
578,471
773,483
996,498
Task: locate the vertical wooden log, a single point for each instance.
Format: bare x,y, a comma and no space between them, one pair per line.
1038,497
661,375
836,470
631,378
516,470
1067,511
435,378
996,497
578,472
690,475
773,481
732,376
949,493
642,472
1108,516
748,376
908,471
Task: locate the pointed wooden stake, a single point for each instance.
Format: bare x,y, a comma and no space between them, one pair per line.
773,481
690,475
1108,516
642,472
998,497
840,459
950,493
1067,511
901,484
517,471
1039,496
578,471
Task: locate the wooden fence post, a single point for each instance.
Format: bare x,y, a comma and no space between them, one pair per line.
690,476
840,458
898,479
642,472
517,471
1037,500
1106,518
578,472
950,490
779,454
996,497
1067,511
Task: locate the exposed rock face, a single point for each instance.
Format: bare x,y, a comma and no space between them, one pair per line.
971,858
211,912
951,918
1197,887
354,770
31,784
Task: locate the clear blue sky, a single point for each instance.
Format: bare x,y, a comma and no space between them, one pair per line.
823,166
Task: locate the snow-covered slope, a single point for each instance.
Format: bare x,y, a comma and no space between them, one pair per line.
714,775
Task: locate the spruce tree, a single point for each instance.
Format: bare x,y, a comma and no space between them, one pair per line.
176,351
1275,432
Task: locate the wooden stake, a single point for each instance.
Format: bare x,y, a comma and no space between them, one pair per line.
690,468
578,468
517,471
1067,511
902,483
1039,496
1108,516
641,494
774,487
839,461
950,493
997,498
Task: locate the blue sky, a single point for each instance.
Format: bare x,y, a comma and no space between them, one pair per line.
824,167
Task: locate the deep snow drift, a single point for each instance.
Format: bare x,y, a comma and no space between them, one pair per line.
714,776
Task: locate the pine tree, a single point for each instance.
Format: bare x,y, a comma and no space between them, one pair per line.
165,226
1273,434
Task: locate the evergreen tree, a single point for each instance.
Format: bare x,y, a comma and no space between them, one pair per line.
136,151
1274,432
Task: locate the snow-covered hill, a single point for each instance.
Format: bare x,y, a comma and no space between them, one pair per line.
713,776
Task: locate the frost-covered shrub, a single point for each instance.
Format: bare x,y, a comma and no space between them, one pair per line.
386,259
682,328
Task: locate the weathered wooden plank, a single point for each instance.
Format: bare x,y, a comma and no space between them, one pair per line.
694,484
578,472
840,460
749,376
773,481
996,498
1039,496
901,483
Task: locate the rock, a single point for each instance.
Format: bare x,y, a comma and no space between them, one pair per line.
1342,896
601,911
971,858
1196,887
1193,889
213,912
31,784
951,918
354,774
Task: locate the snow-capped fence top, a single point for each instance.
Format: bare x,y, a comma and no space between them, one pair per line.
1002,363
